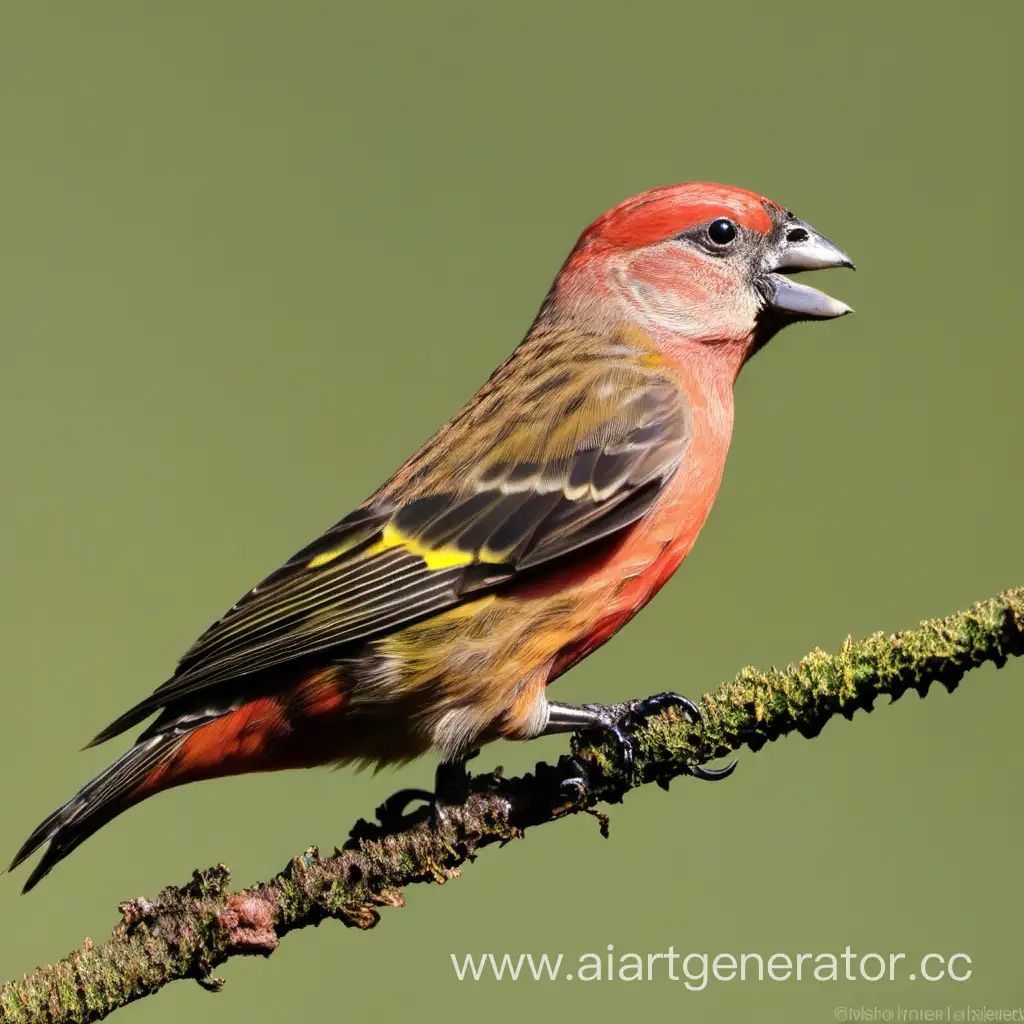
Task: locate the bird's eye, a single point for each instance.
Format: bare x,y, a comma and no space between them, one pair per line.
721,231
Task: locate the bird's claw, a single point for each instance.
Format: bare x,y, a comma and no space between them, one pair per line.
622,720
451,788
576,784
660,701
698,771
392,813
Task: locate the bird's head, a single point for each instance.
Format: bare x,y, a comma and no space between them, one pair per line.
700,262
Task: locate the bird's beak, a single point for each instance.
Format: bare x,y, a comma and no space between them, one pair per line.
801,248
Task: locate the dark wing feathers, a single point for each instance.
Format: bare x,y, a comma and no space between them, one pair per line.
600,520
506,499
389,589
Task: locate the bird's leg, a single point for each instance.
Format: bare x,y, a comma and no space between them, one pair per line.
451,786
451,781
621,721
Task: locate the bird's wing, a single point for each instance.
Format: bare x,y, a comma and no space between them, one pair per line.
516,481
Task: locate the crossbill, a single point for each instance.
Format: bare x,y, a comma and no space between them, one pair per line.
528,530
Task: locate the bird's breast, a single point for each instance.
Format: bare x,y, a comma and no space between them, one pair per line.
642,561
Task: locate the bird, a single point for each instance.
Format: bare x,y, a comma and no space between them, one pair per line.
520,538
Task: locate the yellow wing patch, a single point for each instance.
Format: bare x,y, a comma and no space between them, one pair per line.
329,556
447,557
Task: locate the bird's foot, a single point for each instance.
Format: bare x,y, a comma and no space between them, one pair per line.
620,721
576,783
451,789
393,815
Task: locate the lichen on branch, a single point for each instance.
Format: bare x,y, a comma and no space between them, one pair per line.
188,931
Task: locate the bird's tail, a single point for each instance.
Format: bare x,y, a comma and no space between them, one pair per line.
114,790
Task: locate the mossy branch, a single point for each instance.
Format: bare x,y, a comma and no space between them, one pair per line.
187,932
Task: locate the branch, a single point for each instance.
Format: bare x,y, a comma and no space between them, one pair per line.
187,932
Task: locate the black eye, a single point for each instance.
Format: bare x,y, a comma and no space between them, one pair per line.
721,231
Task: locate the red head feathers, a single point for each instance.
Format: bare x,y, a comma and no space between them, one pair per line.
663,212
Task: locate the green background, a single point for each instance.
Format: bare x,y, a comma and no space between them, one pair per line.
252,254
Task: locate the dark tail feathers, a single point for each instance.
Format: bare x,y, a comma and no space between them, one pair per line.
100,801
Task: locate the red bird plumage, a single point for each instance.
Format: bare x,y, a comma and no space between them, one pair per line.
521,537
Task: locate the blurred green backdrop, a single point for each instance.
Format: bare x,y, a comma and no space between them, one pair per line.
254,253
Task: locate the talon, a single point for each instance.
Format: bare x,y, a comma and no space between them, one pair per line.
653,705
619,730
576,783
392,812
574,789
698,771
